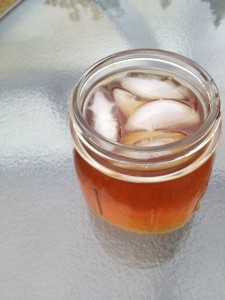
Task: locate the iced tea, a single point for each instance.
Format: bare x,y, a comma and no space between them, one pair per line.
144,154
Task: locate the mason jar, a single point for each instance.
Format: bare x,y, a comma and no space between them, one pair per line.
145,188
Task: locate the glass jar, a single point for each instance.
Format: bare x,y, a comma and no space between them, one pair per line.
146,189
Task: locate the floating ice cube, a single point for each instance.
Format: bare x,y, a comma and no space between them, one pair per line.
125,101
162,114
104,121
151,138
155,87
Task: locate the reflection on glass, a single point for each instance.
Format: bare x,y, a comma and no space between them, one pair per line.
138,250
165,3
110,5
75,7
217,8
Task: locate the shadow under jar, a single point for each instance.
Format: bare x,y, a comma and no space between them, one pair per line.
145,125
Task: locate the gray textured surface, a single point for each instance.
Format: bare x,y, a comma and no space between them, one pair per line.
51,247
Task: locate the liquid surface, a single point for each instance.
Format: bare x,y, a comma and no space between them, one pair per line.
142,109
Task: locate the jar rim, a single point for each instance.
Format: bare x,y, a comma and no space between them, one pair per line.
153,54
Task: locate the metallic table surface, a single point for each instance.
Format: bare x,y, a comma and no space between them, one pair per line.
51,246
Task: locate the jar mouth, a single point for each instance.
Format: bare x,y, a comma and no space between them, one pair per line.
90,135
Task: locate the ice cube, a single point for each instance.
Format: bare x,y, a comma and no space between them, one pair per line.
155,87
161,114
104,121
125,101
151,138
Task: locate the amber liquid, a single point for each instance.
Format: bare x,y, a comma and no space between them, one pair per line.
145,207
